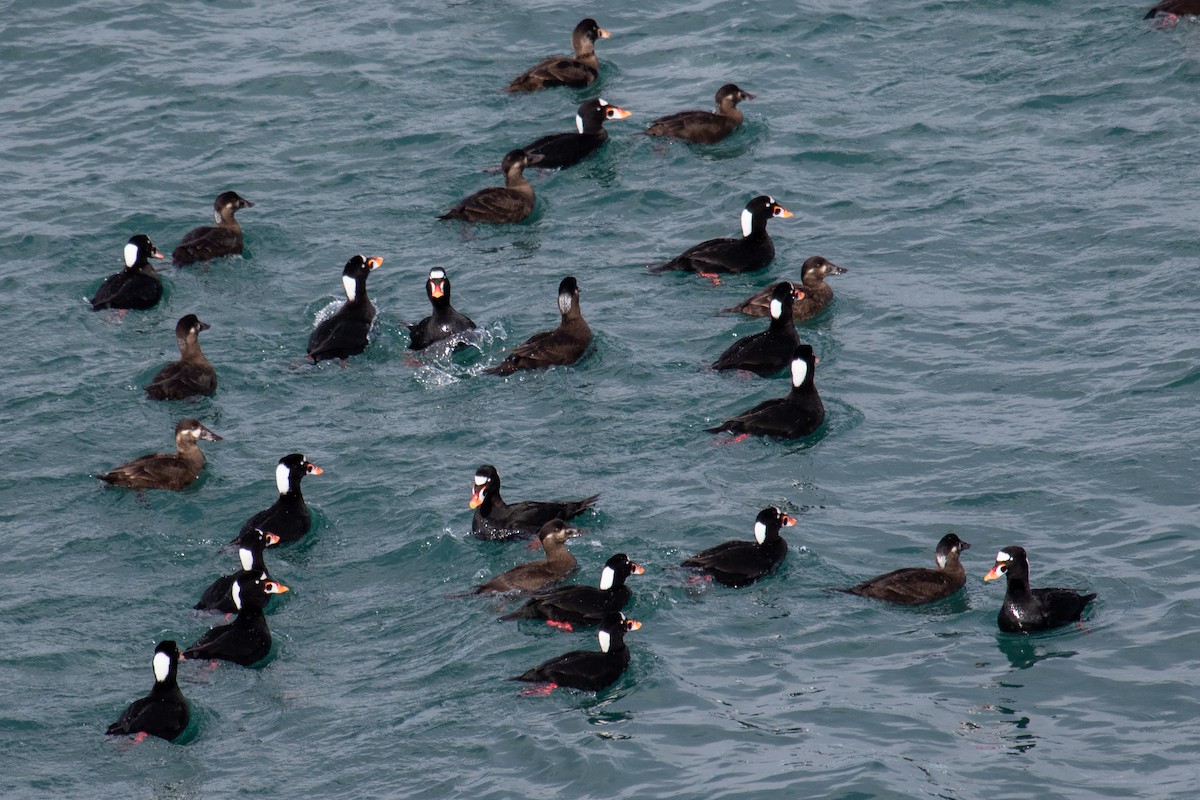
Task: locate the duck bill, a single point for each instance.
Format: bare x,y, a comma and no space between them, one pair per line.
275,587
834,269
272,539
374,261
477,497
533,158
313,469
994,573
636,569
787,521
437,289
604,34
632,625
798,295
783,212
156,253
619,113
205,433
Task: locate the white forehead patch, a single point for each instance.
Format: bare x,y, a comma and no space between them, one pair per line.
437,274
747,222
760,533
579,123
131,254
607,578
162,666
283,479
799,371
480,480
776,309
351,287
605,640
1003,556
236,591
246,557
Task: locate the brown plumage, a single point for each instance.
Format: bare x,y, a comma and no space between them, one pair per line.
704,127
537,575
166,470
192,374
817,293
214,241
563,345
511,202
917,585
577,72
1175,8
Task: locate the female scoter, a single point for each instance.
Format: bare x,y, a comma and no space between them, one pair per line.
345,333
511,202
164,712
445,321
192,374
752,252
219,594
166,470
798,414
740,563
138,285
576,72
535,576
560,150
915,586
704,127
1028,610
768,352
561,346
1172,9
246,640
288,518
209,242
587,669
497,520
570,606
817,293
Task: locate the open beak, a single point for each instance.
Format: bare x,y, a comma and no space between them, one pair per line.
477,496
996,572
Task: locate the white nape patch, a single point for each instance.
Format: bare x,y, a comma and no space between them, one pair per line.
216,216
941,561
481,480
283,479
1002,556
246,557
747,222
437,274
162,666
605,641
799,371
236,591
351,287
760,533
579,123
565,301
776,309
607,578
131,254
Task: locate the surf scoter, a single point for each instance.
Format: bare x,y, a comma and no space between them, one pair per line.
1028,610
537,575
798,414
917,585
752,252
769,351
587,669
137,286
1174,8
246,640
288,518
817,293
740,563
445,321
166,470
511,202
576,72
562,346
164,712
704,127
219,594
559,150
496,519
222,239
345,333
568,607
192,374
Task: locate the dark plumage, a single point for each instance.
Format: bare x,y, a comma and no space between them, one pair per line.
166,470
589,670
798,414
537,575
138,285
219,594
564,345
768,352
817,293
740,563
345,333
576,72
704,127
1028,610
1174,8
222,239
511,202
496,519
444,322
753,251
914,586
164,712
288,518
246,640
559,150
192,374
570,606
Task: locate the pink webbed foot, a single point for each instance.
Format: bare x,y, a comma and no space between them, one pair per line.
562,626
540,691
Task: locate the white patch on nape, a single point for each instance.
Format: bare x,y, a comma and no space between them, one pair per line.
246,557
607,578
351,287
283,479
216,216
131,254
799,371
776,309
565,301
941,561
1002,556
437,274
481,480
605,640
760,533
579,123
747,222
162,666
236,591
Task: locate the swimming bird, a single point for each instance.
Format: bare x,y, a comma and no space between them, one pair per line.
560,150
246,640
704,127
564,345
798,414
166,470
1172,9
817,293
511,202
588,669
576,72
753,251
445,321
568,607
219,594
137,286
740,563
192,374
165,711
537,575
1028,610
914,586
495,519
345,333
769,351
222,239
288,518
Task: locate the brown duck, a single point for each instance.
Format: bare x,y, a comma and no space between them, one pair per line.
166,470
213,241
915,586
511,202
817,293
537,575
704,127
563,345
576,72
192,374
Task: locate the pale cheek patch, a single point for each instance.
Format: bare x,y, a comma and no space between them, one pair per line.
747,222
607,578
605,641
162,666
131,254
350,286
283,480
760,532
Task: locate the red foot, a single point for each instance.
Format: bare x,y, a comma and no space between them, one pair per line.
411,361
140,737
712,276
562,626
213,664
540,690
698,578
740,437
534,545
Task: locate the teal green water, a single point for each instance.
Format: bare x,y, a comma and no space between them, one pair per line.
1013,356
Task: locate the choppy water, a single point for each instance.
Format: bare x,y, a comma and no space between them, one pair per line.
1013,356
